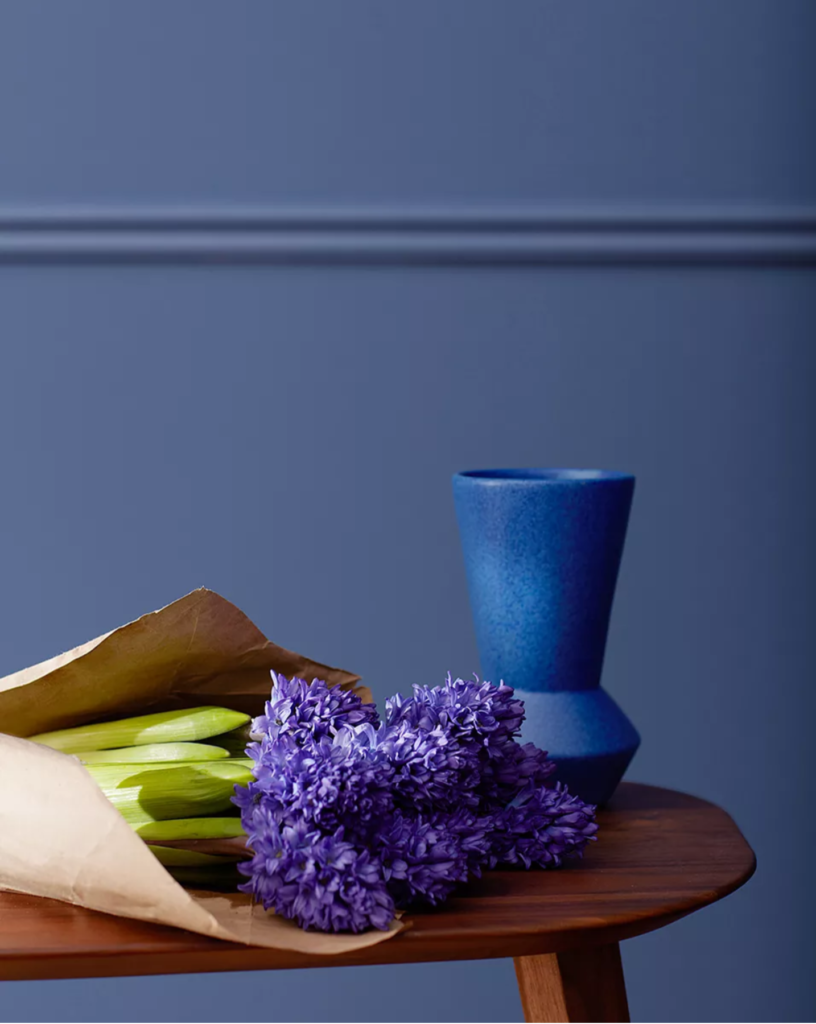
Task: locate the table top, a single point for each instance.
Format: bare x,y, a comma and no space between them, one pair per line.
660,856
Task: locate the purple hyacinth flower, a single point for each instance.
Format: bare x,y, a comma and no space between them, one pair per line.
542,828
422,860
340,780
432,770
347,817
425,856
480,713
320,881
507,770
303,711
455,745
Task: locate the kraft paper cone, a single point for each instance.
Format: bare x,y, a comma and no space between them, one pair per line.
59,835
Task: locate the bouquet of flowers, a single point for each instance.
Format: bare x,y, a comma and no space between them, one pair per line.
338,819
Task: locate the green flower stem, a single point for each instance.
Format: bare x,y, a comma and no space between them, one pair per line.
154,752
191,830
185,726
156,792
174,858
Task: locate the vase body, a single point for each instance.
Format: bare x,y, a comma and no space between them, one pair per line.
542,549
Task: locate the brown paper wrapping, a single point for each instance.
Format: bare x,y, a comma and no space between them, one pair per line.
61,838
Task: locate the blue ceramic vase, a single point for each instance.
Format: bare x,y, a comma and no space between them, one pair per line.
542,549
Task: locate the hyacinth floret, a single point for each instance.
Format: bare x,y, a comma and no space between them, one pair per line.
319,880
432,769
310,710
474,725
422,859
542,828
340,780
480,713
504,774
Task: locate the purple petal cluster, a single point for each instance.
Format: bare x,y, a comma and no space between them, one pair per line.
303,711
480,713
348,818
433,769
542,828
338,780
319,880
457,744
424,856
502,776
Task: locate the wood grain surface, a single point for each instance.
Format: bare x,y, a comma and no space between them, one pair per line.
660,856
576,985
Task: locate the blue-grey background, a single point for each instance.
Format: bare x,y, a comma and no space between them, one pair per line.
285,435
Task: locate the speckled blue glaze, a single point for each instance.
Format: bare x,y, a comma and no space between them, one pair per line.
542,550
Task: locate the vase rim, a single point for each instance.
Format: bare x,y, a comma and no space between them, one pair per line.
542,476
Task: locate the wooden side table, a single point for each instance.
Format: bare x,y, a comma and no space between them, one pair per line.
660,856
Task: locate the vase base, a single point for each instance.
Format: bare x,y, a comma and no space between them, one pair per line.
594,779
587,735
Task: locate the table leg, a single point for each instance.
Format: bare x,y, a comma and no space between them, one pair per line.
579,985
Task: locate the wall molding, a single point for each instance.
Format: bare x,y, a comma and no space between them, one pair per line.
441,237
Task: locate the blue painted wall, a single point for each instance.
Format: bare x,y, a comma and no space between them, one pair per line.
365,101
286,435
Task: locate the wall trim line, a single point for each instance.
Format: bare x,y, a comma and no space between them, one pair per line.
450,237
